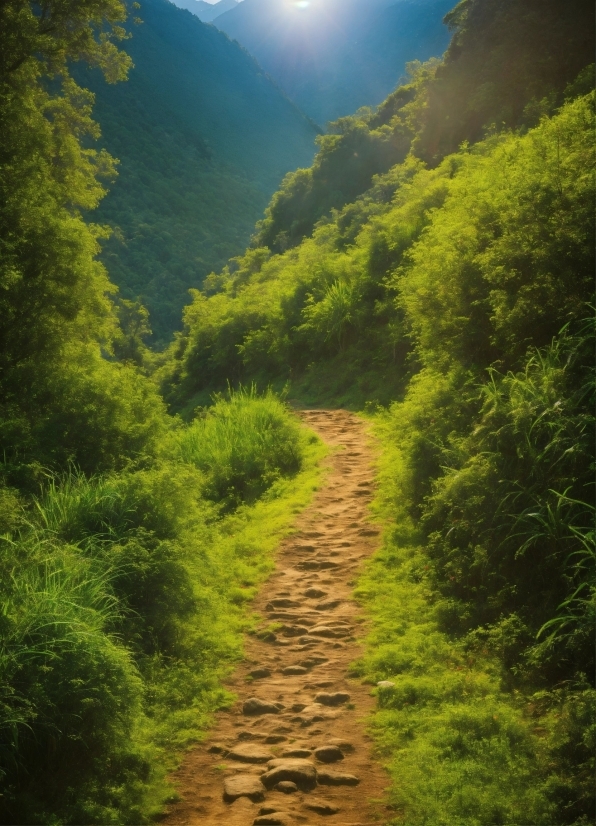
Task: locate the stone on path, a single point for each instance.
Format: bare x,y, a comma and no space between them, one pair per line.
276,819
243,785
301,772
249,753
300,753
260,673
344,745
336,699
321,807
327,632
328,606
294,671
329,778
255,706
286,786
315,593
328,754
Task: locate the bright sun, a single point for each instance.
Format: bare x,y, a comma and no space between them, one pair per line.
302,4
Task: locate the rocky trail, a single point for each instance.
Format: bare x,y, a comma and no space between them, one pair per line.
294,749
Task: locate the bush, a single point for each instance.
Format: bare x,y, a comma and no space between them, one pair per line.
243,445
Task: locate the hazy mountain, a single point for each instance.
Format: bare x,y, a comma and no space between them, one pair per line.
204,139
334,56
206,11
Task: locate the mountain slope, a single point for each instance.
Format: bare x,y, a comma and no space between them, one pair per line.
206,11
334,56
203,139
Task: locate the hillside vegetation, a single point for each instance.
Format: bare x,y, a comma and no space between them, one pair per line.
203,139
446,291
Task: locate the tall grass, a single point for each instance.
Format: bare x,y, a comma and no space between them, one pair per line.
243,444
122,605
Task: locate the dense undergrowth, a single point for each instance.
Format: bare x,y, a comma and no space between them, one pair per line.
123,603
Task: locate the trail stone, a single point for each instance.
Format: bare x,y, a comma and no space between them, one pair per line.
316,565
281,603
217,748
327,632
260,673
300,772
302,753
255,706
315,593
250,753
329,778
298,707
328,754
286,786
275,738
294,671
321,807
250,735
294,630
385,684
276,819
243,785
344,745
267,810
328,606
335,699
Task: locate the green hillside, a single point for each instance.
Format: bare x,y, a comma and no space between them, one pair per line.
203,139
334,56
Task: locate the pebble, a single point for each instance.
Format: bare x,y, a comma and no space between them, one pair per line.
315,593
286,787
243,785
254,706
275,738
336,699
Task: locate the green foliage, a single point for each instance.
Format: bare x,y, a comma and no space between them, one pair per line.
123,603
243,445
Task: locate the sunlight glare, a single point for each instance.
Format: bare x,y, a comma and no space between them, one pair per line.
302,4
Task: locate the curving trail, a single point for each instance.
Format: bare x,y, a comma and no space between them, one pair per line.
297,705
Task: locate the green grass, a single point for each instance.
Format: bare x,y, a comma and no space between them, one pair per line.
462,748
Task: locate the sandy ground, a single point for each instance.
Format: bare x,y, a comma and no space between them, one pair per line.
296,704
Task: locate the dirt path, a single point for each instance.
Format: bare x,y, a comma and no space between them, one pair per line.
297,706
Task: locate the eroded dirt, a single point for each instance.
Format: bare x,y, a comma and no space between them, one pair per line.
296,702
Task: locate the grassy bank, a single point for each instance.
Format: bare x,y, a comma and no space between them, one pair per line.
472,732
123,604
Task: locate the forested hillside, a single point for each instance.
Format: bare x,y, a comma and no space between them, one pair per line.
334,56
203,139
432,270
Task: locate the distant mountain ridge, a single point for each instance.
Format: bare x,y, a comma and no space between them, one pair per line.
206,12
204,138
334,56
